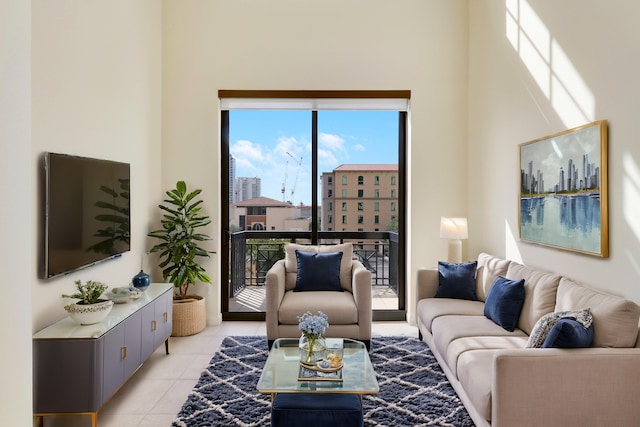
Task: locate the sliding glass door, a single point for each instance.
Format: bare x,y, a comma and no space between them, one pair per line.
359,186
312,177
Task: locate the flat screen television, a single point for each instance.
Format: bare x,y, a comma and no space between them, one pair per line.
87,212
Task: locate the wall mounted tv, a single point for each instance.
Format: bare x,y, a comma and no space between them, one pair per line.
87,212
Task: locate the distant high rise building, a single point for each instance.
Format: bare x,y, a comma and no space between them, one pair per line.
247,188
232,179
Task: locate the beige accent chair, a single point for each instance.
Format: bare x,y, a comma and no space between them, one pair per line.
349,312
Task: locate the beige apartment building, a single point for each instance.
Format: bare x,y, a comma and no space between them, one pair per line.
266,214
360,197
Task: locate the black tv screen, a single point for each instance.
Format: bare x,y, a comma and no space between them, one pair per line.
87,212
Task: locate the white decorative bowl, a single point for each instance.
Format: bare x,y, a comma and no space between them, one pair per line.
123,295
89,314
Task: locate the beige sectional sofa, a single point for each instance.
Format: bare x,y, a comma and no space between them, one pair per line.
503,383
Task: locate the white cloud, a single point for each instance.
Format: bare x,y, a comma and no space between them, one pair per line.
245,164
327,158
286,144
247,150
331,148
250,156
293,151
359,147
332,142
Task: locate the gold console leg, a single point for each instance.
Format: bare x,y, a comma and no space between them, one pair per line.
93,415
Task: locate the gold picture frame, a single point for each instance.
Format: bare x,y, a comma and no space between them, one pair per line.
566,208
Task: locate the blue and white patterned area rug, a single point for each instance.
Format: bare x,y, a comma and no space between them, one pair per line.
413,389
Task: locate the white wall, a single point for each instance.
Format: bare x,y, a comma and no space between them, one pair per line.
111,79
15,227
420,45
96,92
507,107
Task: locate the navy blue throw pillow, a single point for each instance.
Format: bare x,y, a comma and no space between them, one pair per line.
457,280
569,333
504,302
318,271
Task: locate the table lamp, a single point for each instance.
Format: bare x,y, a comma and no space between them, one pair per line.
454,229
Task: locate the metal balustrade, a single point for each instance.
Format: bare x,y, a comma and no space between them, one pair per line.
253,253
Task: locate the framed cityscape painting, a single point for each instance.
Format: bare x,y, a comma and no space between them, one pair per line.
563,190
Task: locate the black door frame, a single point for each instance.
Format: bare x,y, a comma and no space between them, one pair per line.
378,315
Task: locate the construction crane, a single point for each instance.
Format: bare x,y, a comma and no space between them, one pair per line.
284,182
295,181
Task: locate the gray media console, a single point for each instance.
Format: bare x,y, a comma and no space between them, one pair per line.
77,368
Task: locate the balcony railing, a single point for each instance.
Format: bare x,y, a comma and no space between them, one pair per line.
253,253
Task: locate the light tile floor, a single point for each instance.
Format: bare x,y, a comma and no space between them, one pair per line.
155,394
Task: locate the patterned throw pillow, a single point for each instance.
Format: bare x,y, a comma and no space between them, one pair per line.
546,322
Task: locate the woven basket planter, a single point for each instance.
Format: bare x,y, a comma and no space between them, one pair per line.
189,316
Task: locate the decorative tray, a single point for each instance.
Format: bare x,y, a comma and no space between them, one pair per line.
121,296
320,366
318,373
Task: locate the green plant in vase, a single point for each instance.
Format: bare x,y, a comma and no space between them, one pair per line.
91,308
180,244
89,293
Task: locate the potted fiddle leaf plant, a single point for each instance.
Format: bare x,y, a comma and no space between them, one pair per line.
179,249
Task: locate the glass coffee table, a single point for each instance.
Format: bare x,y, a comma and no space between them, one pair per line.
280,372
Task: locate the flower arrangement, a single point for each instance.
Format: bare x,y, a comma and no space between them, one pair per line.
313,327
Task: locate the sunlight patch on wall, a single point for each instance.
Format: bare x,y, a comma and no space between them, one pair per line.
549,65
631,194
512,251
631,206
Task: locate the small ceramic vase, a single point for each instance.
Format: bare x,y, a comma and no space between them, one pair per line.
141,281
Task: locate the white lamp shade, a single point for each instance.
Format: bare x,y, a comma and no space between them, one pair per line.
453,228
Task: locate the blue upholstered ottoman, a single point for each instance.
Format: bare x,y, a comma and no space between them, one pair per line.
316,409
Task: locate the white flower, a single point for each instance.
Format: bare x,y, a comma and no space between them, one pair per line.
313,325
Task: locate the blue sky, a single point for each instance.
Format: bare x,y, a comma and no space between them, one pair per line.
275,145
